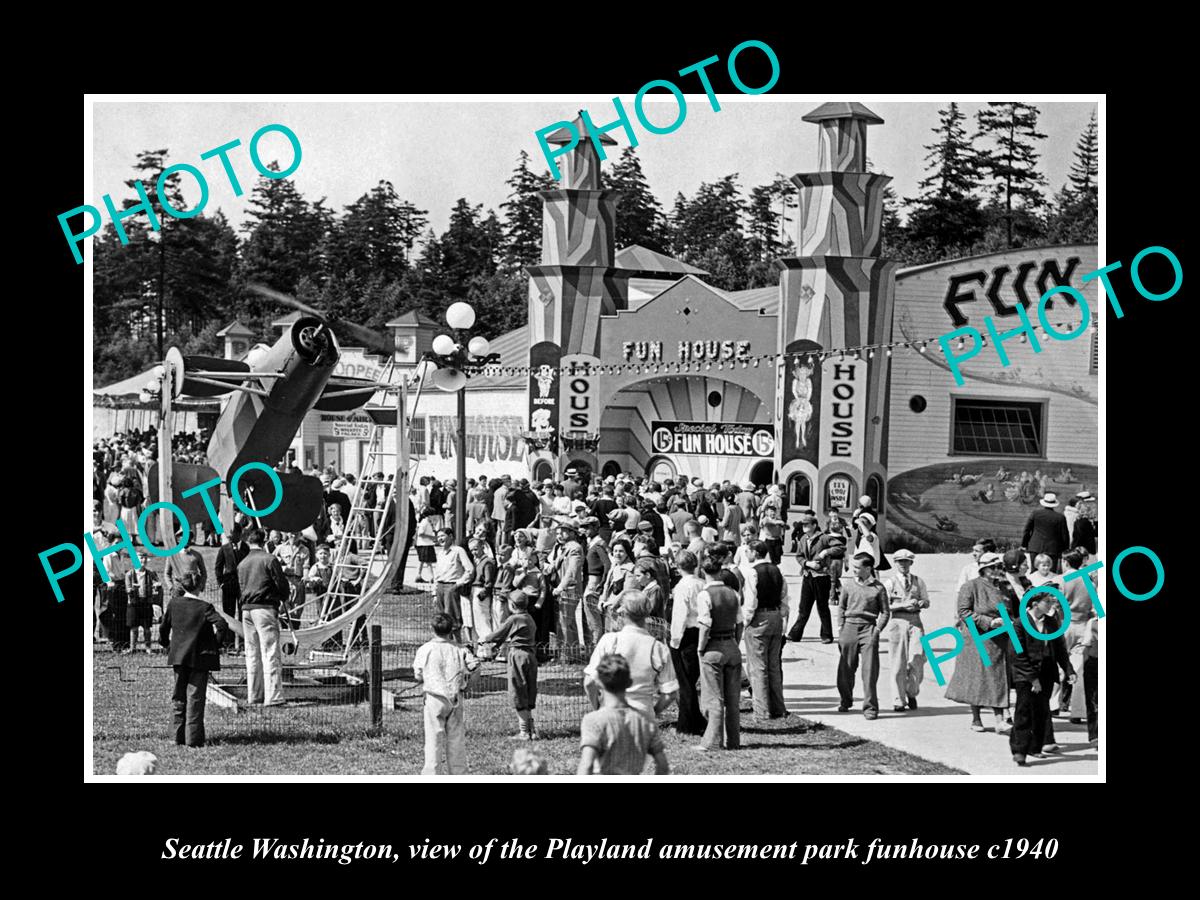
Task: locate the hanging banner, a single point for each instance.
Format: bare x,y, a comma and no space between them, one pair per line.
843,411
713,438
579,394
544,360
800,397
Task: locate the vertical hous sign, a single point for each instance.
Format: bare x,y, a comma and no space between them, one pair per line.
544,361
800,395
579,394
843,411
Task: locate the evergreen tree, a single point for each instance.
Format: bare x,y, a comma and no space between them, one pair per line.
947,214
707,233
373,236
787,195
1012,166
763,223
1076,207
286,241
523,217
640,218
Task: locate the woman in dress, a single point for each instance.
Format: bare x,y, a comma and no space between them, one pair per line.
614,582
981,599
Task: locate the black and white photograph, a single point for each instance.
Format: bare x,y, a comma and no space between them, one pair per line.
447,437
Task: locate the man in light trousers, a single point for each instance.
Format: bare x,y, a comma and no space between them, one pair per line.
264,588
907,596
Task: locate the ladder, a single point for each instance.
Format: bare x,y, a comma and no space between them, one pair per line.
353,572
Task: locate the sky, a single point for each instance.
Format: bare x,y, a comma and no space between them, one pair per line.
438,151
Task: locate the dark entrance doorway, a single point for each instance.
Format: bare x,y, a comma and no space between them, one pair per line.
763,473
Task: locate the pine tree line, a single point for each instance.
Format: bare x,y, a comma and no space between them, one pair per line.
378,257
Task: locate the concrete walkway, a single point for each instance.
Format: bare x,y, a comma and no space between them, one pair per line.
940,729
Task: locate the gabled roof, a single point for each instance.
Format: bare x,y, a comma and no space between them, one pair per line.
650,263
413,317
235,329
842,111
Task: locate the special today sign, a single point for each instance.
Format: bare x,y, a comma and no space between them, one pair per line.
713,438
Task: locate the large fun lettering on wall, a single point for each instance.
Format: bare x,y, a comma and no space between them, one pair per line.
489,438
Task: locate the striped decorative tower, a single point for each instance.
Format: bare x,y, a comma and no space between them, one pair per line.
575,283
831,417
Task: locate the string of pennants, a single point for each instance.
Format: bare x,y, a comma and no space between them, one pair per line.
751,361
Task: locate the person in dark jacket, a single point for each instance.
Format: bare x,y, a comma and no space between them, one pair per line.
1046,531
264,589
194,650
815,551
1035,672
231,553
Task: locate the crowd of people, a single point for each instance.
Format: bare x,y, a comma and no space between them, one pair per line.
670,592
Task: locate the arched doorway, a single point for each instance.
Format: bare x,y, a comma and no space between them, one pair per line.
762,473
610,468
542,469
669,418
799,491
660,469
582,469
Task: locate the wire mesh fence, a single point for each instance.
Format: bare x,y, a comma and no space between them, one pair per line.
328,695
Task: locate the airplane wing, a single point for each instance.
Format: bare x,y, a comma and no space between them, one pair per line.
343,394
229,372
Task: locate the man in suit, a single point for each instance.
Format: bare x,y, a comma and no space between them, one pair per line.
233,550
1035,672
1046,532
194,649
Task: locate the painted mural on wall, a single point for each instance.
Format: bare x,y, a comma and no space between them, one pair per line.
489,438
801,403
946,507
544,360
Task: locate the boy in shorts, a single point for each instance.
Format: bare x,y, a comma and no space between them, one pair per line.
616,739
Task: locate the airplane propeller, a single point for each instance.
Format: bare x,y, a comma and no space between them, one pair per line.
358,334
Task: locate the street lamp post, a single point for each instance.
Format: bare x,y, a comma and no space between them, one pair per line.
457,358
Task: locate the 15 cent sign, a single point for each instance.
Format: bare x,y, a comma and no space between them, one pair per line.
713,438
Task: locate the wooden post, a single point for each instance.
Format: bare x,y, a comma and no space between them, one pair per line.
166,425
376,677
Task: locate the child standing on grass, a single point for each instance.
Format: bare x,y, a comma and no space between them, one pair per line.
520,633
444,669
139,611
616,739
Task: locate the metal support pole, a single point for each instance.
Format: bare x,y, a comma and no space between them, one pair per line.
376,676
460,488
166,526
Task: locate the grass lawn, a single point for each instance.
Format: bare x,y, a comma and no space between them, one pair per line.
132,711
134,714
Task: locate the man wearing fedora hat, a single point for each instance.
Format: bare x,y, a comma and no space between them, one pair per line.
567,560
1046,531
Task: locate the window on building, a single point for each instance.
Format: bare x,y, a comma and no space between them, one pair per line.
799,490
416,435
998,427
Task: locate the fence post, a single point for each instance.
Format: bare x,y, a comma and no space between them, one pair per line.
376,677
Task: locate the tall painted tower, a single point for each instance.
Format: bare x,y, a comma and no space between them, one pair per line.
575,283
831,416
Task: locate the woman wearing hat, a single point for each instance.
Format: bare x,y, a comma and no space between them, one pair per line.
981,599
868,541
